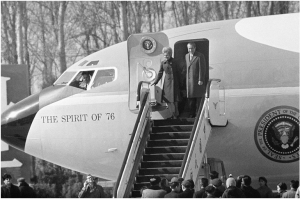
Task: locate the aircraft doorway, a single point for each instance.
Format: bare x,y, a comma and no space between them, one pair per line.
180,50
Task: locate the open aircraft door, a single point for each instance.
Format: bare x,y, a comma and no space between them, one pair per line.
144,58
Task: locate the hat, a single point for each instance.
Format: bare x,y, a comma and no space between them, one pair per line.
263,179
155,180
186,184
174,179
216,182
5,176
230,182
21,179
180,180
209,189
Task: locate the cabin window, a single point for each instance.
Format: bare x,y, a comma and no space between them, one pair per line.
65,78
82,80
103,77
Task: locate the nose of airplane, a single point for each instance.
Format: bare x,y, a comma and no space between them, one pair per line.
16,121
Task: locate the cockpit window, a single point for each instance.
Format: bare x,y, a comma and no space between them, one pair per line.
82,79
103,77
65,78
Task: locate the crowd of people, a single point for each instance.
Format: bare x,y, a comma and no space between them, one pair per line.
9,190
239,187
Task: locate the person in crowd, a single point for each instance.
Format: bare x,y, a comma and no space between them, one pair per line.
25,190
247,189
175,186
209,191
239,181
297,195
232,191
281,189
154,191
201,193
195,78
264,190
187,190
192,185
91,189
164,184
219,188
292,192
180,182
171,81
8,189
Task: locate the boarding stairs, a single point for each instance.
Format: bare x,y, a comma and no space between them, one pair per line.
167,148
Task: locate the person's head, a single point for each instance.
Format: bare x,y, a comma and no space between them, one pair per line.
191,46
281,186
155,180
216,182
175,185
294,184
167,52
213,175
186,185
20,180
210,190
86,78
164,183
6,179
262,181
239,181
192,183
204,182
230,182
246,180
90,179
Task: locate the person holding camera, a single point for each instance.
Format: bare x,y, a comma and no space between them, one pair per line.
91,189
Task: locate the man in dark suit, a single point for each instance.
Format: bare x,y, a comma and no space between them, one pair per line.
195,78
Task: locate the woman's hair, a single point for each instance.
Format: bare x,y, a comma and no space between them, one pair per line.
167,50
282,186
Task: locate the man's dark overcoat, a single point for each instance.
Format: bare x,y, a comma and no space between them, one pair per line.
195,73
170,81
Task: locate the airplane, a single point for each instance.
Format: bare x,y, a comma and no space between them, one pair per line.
116,127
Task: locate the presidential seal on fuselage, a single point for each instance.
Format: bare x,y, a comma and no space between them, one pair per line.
277,134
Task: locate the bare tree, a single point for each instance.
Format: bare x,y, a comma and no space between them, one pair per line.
124,20
61,33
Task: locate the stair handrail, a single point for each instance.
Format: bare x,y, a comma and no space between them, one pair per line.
207,94
130,142
192,136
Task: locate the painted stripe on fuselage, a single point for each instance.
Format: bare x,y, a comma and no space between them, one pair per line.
262,91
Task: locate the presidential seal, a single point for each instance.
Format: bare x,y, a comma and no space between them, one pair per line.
148,45
277,134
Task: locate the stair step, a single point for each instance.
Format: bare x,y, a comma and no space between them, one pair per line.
160,164
146,178
180,121
139,186
169,156
170,135
157,150
172,128
159,171
136,194
160,143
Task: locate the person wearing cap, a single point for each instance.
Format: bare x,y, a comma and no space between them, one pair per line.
9,190
25,190
154,191
91,189
239,181
247,189
175,187
201,193
210,190
232,191
217,183
187,190
264,190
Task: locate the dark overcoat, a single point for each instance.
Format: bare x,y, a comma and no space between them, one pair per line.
170,90
195,73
